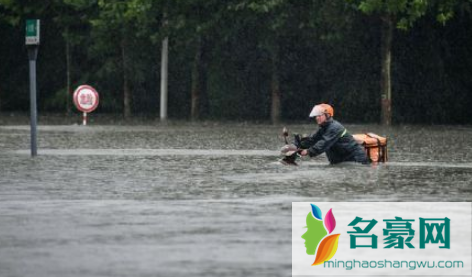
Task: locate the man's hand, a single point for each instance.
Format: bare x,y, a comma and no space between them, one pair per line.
304,152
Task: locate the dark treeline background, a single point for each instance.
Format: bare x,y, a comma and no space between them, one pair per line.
244,60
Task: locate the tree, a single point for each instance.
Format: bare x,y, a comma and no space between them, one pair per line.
402,15
114,32
189,23
194,23
151,17
71,16
271,17
276,24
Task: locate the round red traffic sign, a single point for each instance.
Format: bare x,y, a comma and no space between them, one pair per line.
86,98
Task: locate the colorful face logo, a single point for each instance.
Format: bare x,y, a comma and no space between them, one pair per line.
318,238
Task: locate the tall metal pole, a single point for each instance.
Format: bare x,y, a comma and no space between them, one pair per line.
32,54
164,76
32,44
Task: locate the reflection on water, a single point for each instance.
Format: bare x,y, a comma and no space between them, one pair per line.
192,199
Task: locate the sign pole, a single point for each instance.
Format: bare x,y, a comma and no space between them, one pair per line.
32,54
32,42
84,119
164,77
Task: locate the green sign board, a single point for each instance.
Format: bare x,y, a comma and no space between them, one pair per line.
32,31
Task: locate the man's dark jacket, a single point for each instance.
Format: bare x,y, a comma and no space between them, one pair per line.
339,145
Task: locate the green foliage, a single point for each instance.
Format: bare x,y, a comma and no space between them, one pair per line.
14,11
327,51
407,12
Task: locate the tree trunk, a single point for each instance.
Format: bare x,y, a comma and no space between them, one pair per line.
126,90
275,90
198,82
386,78
68,74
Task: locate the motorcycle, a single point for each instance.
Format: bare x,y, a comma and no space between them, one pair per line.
291,151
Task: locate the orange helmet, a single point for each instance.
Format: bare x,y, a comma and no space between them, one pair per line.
322,109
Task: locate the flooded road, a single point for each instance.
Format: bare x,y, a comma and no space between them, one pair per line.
193,199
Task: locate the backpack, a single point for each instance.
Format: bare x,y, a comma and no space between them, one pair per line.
374,145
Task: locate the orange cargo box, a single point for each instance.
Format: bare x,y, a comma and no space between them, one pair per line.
375,146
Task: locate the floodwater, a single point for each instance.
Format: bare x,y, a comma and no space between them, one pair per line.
183,199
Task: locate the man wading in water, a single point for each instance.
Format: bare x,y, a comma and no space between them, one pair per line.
331,138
